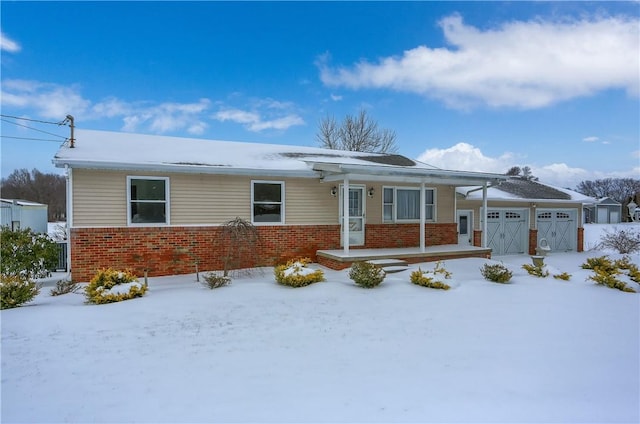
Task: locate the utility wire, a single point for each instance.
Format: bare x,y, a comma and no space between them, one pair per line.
34,120
31,128
29,138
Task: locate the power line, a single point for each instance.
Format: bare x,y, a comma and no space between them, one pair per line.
31,128
29,138
34,120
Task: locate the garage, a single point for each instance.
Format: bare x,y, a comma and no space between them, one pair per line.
507,231
558,226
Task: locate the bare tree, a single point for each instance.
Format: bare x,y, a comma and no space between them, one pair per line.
49,189
618,189
524,173
356,133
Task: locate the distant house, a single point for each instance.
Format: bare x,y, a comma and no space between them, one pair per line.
519,214
157,203
603,211
20,214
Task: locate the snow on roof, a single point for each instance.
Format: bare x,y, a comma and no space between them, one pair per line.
521,189
114,150
21,202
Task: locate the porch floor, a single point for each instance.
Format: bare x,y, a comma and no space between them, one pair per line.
337,259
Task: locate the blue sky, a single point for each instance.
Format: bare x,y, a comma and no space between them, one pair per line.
477,86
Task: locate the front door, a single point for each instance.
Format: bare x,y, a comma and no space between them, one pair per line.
356,215
465,231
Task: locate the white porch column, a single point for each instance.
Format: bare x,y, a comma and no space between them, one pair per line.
484,214
423,214
345,215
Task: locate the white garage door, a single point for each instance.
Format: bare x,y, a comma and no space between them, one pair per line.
558,226
507,231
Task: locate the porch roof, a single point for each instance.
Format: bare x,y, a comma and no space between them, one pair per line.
331,172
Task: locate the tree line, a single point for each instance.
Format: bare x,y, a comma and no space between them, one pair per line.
36,186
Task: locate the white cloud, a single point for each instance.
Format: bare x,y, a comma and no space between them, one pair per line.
464,156
255,120
591,139
336,98
8,45
520,64
50,101
56,101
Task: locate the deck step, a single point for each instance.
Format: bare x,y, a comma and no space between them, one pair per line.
393,269
390,265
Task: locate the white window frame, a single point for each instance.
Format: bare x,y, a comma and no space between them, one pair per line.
282,201
394,205
167,201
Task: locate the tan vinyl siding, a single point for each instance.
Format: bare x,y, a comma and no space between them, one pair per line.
99,198
197,199
209,199
308,201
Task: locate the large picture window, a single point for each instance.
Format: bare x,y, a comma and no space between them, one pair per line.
267,202
401,204
148,200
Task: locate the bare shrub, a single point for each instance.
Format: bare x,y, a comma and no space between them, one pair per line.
621,240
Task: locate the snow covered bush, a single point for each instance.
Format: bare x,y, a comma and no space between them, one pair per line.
432,279
110,285
562,276
498,273
295,273
213,280
26,253
366,274
536,270
16,291
613,274
621,240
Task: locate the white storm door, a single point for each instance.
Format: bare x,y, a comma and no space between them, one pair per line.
465,232
356,215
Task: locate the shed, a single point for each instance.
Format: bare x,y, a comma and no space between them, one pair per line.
17,214
604,211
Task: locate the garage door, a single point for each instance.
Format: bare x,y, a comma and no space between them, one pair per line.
507,231
558,226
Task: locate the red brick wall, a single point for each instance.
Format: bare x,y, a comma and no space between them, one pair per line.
580,239
477,238
175,250
533,241
408,235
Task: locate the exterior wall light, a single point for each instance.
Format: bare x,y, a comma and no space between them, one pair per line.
370,192
334,191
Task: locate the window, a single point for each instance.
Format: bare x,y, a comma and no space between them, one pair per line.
403,204
148,200
267,202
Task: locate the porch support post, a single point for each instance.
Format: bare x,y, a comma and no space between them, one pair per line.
345,215
484,214
423,214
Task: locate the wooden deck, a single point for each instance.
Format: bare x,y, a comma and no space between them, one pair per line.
337,259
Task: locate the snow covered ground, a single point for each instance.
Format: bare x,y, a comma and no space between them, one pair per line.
536,350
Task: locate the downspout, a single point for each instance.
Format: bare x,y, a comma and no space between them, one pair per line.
423,214
484,214
69,211
345,215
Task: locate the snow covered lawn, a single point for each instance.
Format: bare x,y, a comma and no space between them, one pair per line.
535,350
